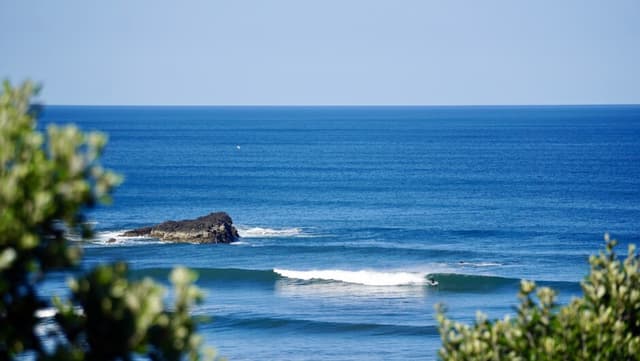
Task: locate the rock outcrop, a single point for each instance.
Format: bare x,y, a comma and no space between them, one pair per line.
213,228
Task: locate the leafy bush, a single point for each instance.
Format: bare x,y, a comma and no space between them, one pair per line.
604,324
46,182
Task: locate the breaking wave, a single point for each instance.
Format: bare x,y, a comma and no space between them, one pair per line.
480,264
368,278
259,232
115,238
448,282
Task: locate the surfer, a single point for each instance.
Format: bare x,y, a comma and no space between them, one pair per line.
431,282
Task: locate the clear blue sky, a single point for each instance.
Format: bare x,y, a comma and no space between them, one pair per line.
238,52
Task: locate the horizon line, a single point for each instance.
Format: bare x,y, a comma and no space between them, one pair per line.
339,105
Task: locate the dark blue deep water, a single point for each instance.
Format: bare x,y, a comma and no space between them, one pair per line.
345,211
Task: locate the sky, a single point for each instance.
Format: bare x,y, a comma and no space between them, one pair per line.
324,52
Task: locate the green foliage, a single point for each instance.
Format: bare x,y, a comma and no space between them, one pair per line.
604,324
46,182
120,316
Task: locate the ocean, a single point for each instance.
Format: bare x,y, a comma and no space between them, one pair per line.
345,212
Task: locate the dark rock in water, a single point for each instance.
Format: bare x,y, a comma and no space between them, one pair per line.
213,228
111,240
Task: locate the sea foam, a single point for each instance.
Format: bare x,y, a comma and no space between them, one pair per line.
259,232
107,238
480,264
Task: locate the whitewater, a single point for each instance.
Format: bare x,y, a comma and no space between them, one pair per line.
368,278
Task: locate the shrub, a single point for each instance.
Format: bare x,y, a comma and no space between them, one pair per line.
47,181
604,324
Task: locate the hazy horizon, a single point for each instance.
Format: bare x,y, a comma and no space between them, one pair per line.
342,105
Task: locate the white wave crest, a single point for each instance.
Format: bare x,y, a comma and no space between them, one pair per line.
51,312
115,238
46,312
259,232
369,278
240,243
480,264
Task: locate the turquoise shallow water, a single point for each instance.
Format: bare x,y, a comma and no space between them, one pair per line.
346,211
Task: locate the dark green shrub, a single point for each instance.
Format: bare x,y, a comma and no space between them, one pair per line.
604,324
46,182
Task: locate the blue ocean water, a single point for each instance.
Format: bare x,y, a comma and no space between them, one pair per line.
345,211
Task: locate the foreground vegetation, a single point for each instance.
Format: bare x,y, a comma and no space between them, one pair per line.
47,181
604,324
